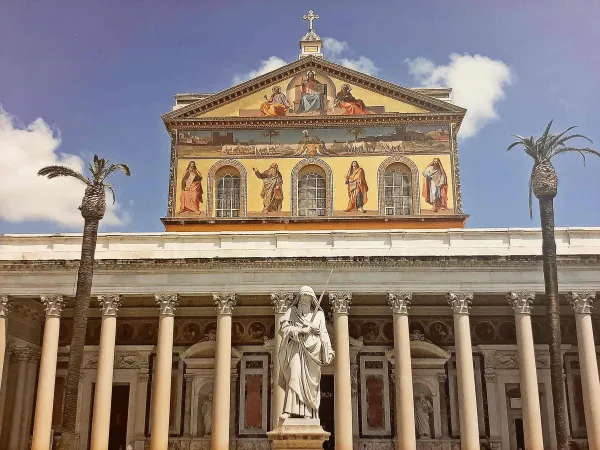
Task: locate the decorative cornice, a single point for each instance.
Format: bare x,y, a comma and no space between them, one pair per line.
110,304
167,303
224,302
53,304
460,302
521,301
4,306
581,302
281,301
400,302
340,302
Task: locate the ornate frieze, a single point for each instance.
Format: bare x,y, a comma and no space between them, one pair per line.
521,301
340,302
224,302
4,306
400,302
167,303
581,302
509,359
53,304
281,301
110,304
460,302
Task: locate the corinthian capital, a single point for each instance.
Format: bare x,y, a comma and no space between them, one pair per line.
224,302
521,301
54,305
460,302
581,301
4,306
400,302
110,304
340,302
281,301
167,303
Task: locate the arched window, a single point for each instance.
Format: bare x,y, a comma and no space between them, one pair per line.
227,192
397,190
312,192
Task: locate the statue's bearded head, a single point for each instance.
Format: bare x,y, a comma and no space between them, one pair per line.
304,304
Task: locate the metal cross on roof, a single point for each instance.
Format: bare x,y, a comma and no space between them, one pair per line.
311,16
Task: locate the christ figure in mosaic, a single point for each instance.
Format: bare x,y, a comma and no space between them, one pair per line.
305,347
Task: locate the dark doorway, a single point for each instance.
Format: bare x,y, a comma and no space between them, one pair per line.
117,439
519,434
327,411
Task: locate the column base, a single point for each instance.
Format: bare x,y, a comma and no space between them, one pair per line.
298,434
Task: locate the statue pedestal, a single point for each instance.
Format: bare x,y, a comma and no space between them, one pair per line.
298,434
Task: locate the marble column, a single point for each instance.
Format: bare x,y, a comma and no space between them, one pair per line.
405,405
21,355
4,387
224,303
532,417
4,310
104,375
281,302
467,400
590,383
140,409
340,305
161,389
42,424
187,411
30,377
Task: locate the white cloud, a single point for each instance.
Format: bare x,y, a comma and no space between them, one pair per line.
25,196
332,48
272,63
360,64
477,83
339,52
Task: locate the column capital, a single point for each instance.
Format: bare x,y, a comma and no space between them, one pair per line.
54,305
109,304
21,354
521,301
4,306
400,302
167,303
581,301
460,302
224,302
340,302
281,301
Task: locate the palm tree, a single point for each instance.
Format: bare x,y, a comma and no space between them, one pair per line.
93,207
271,134
356,132
543,183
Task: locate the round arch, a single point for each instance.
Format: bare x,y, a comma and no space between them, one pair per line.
414,172
328,184
210,196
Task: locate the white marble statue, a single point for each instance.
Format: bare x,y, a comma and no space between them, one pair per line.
207,408
423,408
305,347
130,446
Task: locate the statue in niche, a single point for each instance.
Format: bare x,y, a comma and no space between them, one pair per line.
423,408
305,347
207,408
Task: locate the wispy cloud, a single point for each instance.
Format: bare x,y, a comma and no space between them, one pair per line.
341,53
24,196
478,83
266,66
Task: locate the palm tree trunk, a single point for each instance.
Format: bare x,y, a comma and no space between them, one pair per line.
85,275
552,305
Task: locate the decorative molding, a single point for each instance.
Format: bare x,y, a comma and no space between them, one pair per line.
210,195
490,377
110,304
328,184
4,306
224,302
53,305
460,302
581,301
172,174
400,302
167,303
281,301
143,377
521,301
415,208
441,377
455,170
340,302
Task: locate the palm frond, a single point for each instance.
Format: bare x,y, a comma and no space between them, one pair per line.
62,171
566,138
110,188
556,137
114,167
582,151
531,192
513,145
544,137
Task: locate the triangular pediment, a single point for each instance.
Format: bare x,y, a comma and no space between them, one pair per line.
333,90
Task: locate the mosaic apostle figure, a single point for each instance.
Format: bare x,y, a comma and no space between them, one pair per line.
272,190
305,347
435,188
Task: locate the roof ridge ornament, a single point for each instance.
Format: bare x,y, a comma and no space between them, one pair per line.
311,43
311,16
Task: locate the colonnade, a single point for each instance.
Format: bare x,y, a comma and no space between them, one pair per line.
459,302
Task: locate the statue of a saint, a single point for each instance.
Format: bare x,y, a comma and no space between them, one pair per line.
423,408
207,408
305,347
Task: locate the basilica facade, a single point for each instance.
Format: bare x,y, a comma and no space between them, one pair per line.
312,174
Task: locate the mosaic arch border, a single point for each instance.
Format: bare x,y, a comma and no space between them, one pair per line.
328,184
210,197
414,171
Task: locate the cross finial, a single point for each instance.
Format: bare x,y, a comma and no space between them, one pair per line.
311,16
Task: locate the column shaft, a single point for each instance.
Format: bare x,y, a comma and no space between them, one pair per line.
405,406
19,402
29,397
222,388
161,391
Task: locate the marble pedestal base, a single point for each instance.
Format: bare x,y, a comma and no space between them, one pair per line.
298,434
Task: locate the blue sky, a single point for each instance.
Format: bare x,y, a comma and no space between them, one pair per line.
101,73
